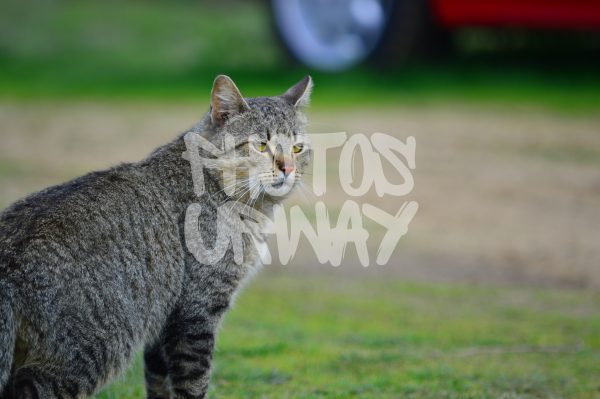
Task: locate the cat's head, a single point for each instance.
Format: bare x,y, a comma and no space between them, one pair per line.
268,132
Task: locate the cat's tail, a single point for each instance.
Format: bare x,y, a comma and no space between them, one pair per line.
7,340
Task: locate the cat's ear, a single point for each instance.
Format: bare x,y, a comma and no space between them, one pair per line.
299,94
225,100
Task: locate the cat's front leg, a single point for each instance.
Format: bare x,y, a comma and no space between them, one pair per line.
156,372
189,348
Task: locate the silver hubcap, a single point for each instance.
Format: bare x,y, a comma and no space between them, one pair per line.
331,34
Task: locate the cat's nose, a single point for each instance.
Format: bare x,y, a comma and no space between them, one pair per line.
285,165
287,170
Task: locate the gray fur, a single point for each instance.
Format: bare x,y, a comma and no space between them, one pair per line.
94,269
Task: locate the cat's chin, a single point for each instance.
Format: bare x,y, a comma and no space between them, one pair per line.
280,189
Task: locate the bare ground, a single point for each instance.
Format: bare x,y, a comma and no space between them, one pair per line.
505,195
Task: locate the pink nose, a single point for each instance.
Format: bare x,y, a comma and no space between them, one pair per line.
287,170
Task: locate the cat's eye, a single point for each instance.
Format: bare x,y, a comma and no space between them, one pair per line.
297,148
260,146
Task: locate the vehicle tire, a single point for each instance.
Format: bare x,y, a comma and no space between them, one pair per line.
334,35
329,35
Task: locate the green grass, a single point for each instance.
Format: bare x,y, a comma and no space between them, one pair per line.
172,50
311,337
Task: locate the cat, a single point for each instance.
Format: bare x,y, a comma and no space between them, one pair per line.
96,268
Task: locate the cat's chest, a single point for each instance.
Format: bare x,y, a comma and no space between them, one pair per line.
232,236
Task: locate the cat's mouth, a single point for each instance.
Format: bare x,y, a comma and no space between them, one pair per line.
279,186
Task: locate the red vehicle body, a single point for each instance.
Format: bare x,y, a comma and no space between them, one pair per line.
550,14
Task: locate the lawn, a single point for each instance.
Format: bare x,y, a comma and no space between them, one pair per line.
318,337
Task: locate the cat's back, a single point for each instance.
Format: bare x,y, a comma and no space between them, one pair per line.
100,214
102,241
56,212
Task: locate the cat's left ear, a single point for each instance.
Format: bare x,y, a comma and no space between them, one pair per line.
225,100
299,94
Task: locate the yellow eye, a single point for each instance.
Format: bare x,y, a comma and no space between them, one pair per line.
297,148
262,146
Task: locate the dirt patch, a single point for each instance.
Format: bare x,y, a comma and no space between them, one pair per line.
504,195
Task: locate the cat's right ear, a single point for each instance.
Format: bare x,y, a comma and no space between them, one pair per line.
225,100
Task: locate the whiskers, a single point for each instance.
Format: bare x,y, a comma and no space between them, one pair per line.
250,190
245,191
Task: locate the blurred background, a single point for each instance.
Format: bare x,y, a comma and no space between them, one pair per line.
494,291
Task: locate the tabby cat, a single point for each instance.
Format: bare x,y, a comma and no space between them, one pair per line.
96,268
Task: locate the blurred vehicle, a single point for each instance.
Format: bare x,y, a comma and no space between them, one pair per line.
334,35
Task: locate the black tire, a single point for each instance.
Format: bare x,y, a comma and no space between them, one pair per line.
411,33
